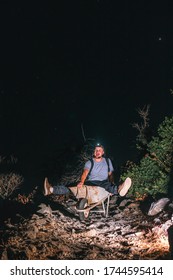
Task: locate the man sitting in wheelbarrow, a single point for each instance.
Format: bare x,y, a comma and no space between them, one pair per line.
97,172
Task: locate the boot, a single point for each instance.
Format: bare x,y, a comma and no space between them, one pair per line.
124,187
47,187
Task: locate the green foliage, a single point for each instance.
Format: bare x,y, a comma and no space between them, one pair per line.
152,174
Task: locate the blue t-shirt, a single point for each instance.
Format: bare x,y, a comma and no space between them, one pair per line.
99,171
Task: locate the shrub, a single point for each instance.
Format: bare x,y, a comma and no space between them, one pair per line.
9,183
152,174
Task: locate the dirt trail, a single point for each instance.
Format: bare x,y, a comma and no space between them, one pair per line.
53,232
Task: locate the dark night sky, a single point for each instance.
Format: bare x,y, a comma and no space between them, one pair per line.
85,62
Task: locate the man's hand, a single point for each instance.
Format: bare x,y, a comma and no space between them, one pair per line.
83,177
80,184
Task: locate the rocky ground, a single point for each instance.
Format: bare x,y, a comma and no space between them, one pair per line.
42,228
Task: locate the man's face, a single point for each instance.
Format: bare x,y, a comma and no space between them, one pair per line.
98,152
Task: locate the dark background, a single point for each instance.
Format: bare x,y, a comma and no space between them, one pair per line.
90,63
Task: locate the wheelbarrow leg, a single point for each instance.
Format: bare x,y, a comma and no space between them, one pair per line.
106,211
103,205
107,206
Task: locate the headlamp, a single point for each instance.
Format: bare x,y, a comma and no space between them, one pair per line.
99,145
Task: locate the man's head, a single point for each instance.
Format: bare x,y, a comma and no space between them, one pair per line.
98,151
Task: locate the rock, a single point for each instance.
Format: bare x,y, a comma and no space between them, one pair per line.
32,232
44,209
158,206
124,202
47,234
4,255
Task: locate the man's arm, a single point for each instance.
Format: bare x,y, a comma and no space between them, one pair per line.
83,178
111,177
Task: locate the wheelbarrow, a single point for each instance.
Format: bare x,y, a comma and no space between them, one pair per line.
88,198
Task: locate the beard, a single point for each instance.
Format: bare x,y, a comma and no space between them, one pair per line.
98,156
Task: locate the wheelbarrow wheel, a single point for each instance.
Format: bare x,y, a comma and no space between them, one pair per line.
83,215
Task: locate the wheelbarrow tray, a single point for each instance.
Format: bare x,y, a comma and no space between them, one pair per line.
93,194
